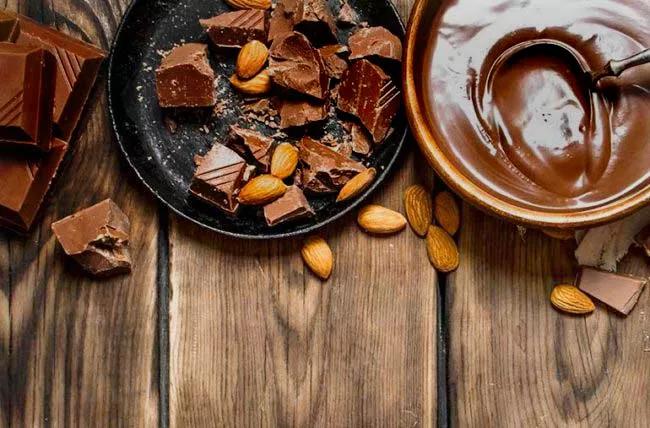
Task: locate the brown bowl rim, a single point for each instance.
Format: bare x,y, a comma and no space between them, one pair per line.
473,193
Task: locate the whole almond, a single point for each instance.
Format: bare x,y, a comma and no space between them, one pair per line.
318,256
251,59
284,161
447,213
419,209
442,250
262,190
568,298
380,220
258,85
250,4
357,184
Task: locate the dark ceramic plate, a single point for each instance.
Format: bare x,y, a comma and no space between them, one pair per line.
164,161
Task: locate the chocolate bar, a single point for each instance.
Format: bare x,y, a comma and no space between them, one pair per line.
620,292
323,169
235,29
185,78
375,42
291,206
252,145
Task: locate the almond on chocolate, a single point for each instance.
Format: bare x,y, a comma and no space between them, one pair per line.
235,29
185,78
377,42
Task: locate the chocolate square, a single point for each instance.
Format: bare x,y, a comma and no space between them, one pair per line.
620,292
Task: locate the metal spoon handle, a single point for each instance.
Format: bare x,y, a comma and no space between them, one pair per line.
618,67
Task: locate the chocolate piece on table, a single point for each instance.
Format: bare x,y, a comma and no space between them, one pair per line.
347,15
290,207
335,66
185,78
295,64
369,94
25,179
77,67
8,26
377,42
218,178
314,19
97,238
620,292
252,145
642,239
280,22
323,169
235,29
28,81
361,143
300,112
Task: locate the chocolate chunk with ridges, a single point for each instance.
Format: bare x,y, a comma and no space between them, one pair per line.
97,238
347,15
299,112
235,29
291,206
323,169
295,64
24,182
375,42
361,143
314,19
185,78
369,94
619,292
252,146
8,26
280,23
335,66
642,239
28,81
218,178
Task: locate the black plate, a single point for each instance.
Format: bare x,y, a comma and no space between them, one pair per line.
164,162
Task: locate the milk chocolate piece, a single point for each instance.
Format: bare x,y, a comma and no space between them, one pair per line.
299,112
347,15
369,94
643,240
620,292
185,78
218,178
295,64
8,24
28,77
252,145
314,19
235,29
361,143
290,207
377,42
280,23
97,238
323,169
335,66
25,179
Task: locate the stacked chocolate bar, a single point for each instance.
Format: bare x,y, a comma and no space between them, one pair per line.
45,77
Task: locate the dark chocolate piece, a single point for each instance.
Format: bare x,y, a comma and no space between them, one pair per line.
185,78
280,23
361,143
97,238
218,178
28,79
8,26
377,42
24,181
347,15
290,207
235,29
323,169
620,292
369,94
335,66
295,64
314,19
252,145
300,112
643,240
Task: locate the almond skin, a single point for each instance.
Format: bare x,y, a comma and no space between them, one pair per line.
284,161
569,299
318,256
380,220
447,213
262,190
442,250
357,184
258,85
251,59
419,209
250,4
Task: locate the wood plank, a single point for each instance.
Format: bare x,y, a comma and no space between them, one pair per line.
83,352
515,361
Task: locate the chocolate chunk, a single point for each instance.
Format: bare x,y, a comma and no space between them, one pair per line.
323,169
289,6
280,23
298,112
97,238
295,64
8,26
290,207
24,182
252,145
218,178
185,78
235,29
314,19
369,94
377,42
347,15
620,292
642,239
28,77
334,64
361,143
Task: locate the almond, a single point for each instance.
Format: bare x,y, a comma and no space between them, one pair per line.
318,256
568,298
380,220
261,190
442,250
250,4
251,59
357,184
284,161
419,209
258,85
447,213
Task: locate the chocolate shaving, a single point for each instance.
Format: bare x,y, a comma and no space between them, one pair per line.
377,42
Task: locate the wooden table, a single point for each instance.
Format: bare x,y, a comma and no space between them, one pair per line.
210,331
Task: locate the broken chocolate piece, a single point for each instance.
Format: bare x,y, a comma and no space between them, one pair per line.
235,29
642,239
280,23
185,78
620,292
295,64
369,94
252,145
347,15
323,169
290,207
314,19
377,42
296,112
218,178
8,26
334,64
361,144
